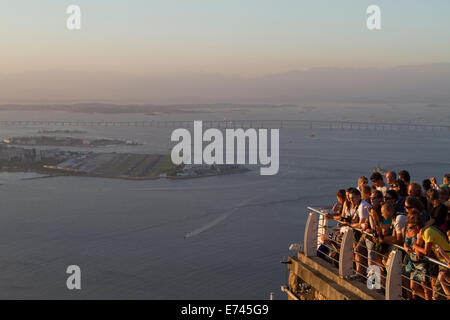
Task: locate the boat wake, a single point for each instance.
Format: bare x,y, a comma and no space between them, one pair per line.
218,220
224,216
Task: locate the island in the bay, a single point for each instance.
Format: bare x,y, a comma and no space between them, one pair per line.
107,165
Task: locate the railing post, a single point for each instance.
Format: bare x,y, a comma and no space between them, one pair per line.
322,228
346,254
394,275
310,239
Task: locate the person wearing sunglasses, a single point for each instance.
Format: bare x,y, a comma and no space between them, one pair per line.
412,203
400,187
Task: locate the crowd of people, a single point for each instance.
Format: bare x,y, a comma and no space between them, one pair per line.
393,210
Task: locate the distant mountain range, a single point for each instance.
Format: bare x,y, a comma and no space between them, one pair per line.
429,84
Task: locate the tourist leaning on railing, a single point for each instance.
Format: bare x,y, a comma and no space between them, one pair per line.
358,218
341,209
373,247
355,212
358,210
347,204
415,266
338,206
428,242
401,218
386,238
393,223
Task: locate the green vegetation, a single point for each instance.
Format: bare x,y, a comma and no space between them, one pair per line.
164,165
137,166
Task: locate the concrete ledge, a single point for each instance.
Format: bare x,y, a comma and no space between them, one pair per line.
329,289
324,278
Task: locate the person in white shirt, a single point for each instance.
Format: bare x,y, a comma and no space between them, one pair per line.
358,218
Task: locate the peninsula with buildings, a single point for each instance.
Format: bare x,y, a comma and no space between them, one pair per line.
57,162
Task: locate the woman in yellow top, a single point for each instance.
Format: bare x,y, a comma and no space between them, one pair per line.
434,240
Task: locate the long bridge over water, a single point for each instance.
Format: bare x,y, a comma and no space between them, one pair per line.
308,124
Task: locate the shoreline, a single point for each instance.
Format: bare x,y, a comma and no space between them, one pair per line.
36,178
48,175
243,170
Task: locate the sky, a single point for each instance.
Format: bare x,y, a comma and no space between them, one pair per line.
230,37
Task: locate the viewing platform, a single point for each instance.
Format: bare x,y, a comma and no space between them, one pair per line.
318,275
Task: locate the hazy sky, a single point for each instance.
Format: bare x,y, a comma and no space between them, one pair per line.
246,37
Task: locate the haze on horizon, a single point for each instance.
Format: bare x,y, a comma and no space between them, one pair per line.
206,51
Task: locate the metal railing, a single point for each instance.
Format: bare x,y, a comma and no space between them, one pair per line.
345,254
